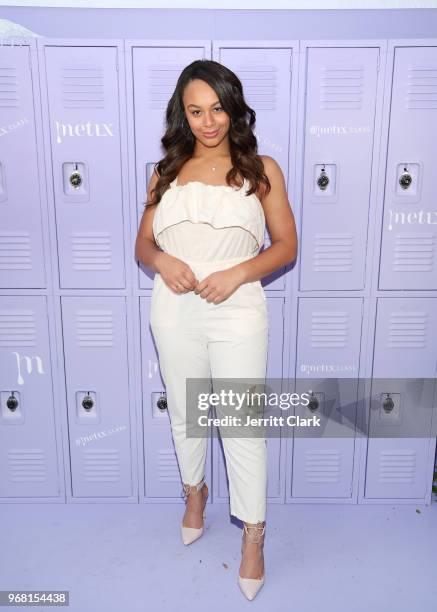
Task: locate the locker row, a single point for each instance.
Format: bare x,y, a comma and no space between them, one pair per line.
101,431
82,122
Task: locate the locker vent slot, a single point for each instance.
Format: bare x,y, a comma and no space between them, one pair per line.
101,465
94,328
323,466
15,250
408,329
167,465
333,252
397,466
162,81
91,251
329,329
422,87
83,87
17,328
341,87
27,465
414,253
8,87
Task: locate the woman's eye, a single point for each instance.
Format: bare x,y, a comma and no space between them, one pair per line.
215,108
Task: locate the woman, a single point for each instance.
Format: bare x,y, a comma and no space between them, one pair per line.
201,232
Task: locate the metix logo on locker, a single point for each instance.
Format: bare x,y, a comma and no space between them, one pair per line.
82,129
28,360
420,217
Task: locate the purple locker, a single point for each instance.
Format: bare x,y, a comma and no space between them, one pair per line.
28,456
328,355
266,77
84,125
340,98
99,419
161,470
155,73
409,235
274,371
21,238
405,349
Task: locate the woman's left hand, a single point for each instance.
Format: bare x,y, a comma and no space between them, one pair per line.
218,286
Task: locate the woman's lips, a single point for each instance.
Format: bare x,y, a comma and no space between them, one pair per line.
210,134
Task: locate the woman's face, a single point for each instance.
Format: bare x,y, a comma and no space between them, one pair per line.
204,113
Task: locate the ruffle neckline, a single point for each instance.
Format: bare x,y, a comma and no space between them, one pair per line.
224,206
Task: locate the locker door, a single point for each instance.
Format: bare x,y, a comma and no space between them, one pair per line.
328,350
274,372
155,73
404,368
21,240
84,124
266,77
340,97
161,469
28,453
409,235
99,420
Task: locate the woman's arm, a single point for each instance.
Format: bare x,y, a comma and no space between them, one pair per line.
281,225
146,249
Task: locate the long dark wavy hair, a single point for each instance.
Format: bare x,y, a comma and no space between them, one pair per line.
179,141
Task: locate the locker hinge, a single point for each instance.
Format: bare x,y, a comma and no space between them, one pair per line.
116,61
377,62
291,60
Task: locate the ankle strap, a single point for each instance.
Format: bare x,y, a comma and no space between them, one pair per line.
259,530
187,489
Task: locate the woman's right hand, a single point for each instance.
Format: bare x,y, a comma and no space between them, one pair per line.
176,274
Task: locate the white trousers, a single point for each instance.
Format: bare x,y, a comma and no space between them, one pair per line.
197,339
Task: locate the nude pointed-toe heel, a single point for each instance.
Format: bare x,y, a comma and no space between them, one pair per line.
251,586
191,534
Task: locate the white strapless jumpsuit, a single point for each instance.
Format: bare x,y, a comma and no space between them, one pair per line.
212,227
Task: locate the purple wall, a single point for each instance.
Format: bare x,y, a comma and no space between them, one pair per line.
225,24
